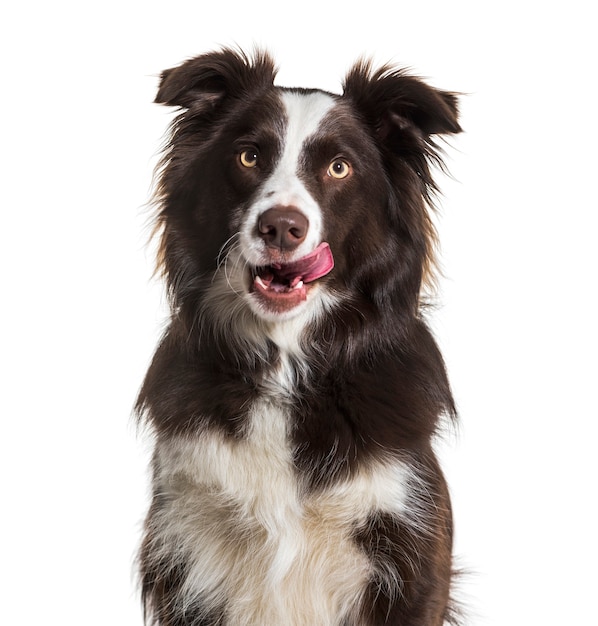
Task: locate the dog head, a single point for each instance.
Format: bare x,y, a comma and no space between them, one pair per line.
280,203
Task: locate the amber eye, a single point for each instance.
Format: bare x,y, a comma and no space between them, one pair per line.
339,168
249,158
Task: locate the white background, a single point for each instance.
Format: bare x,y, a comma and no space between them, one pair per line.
81,315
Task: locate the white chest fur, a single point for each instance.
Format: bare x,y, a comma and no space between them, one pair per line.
253,541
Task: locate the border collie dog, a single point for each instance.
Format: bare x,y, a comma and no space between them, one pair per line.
295,394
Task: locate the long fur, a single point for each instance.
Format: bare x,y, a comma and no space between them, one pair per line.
294,478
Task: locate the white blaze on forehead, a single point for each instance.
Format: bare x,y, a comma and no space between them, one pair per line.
304,114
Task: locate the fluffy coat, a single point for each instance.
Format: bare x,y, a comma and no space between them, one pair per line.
294,481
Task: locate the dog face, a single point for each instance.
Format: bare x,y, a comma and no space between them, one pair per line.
281,223
285,202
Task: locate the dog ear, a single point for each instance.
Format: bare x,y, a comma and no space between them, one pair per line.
393,100
205,80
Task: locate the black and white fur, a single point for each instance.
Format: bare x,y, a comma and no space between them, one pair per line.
294,481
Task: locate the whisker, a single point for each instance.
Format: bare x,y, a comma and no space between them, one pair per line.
230,273
227,247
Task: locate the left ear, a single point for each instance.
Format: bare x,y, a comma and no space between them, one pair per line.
390,98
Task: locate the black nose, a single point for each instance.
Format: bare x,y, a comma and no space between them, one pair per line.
282,227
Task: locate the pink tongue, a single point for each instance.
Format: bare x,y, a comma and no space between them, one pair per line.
309,268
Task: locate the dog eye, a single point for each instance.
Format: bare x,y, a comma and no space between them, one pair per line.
248,158
339,168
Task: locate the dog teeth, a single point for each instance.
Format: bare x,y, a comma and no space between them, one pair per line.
267,284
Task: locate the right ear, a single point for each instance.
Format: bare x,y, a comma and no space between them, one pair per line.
205,80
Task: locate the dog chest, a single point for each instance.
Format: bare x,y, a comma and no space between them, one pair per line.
236,513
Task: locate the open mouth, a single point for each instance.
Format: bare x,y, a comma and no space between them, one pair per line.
281,287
